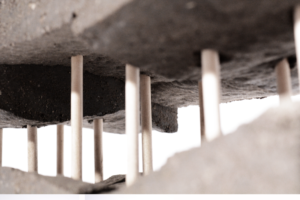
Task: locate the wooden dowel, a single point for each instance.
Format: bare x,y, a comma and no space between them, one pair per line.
201,107
76,115
98,130
1,146
32,149
283,75
146,118
211,93
297,37
132,122
60,150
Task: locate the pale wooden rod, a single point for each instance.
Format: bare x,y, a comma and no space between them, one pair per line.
76,115
283,75
211,93
201,108
32,149
60,149
1,145
146,119
98,131
297,37
132,124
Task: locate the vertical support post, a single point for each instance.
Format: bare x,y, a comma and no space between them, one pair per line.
132,122
60,149
146,118
76,115
297,37
1,146
283,81
32,148
211,93
98,130
201,107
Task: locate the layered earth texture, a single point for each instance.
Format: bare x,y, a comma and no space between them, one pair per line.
163,38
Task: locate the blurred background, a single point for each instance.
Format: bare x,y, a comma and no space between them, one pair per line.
233,115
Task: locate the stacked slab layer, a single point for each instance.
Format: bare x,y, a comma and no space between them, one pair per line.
161,37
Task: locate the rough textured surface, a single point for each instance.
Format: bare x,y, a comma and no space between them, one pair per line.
44,93
163,39
13,181
113,183
261,157
43,97
164,119
250,35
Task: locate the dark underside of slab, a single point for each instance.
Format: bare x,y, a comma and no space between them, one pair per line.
163,38
41,95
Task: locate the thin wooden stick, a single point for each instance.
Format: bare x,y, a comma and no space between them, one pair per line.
201,107
146,118
211,93
297,37
283,74
132,122
32,148
1,146
98,130
76,115
60,150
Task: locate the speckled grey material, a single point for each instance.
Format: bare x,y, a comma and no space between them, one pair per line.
260,157
163,38
14,181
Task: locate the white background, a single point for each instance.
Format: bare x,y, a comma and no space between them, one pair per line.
114,145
